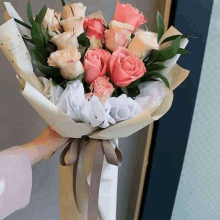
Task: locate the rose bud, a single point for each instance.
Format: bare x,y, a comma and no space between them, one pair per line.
65,40
94,25
119,34
143,43
95,64
68,61
125,67
52,21
102,88
125,13
74,10
74,25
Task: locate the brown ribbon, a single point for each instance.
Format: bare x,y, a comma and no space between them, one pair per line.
82,190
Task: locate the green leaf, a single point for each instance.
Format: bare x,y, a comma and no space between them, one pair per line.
124,90
169,52
174,37
54,83
47,70
152,79
133,92
46,53
36,55
134,84
37,35
47,37
146,28
80,77
83,40
152,57
183,51
40,16
160,26
22,23
63,84
156,75
155,67
64,2
29,13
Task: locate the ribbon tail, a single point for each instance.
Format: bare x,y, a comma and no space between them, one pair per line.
93,212
80,184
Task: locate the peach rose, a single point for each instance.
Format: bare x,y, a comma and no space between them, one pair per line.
125,67
125,13
68,61
114,40
102,88
95,64
74,25
120,27
65,40
52,21
143,43
74,10
118,35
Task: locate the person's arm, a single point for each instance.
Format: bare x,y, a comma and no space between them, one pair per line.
40,148
16,172
44,145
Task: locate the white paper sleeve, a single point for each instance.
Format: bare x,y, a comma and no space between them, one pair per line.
14,48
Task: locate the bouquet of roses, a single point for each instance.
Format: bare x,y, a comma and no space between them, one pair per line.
101,81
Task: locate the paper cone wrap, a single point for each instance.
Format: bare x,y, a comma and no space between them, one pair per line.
68,128
32,90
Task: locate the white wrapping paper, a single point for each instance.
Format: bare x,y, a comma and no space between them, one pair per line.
13,14
14,48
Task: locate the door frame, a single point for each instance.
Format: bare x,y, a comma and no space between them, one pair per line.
171,133
164,7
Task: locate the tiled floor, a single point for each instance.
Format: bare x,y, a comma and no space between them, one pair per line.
198,196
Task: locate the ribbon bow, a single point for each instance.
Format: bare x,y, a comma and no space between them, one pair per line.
83,190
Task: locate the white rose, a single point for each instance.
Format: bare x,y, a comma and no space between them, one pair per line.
74,10
52,21
95,43
68,61
74,25
143,43
65,40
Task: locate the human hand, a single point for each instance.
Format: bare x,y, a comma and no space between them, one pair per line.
45,145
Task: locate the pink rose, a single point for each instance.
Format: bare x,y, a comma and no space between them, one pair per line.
125,67
95,64
102,88
125,13
95,27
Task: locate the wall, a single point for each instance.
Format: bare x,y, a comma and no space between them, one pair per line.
20,123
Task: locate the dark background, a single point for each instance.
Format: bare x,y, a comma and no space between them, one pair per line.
191,17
